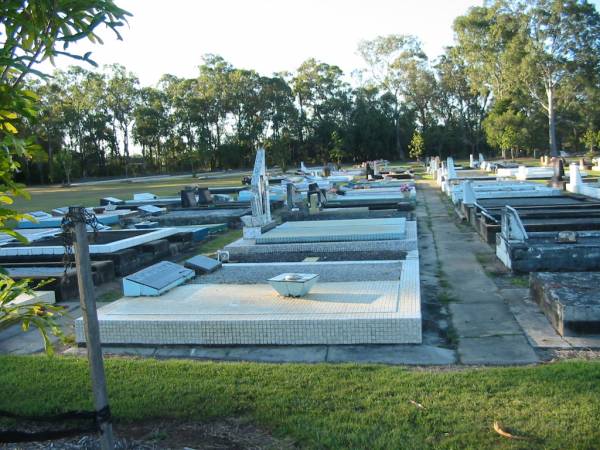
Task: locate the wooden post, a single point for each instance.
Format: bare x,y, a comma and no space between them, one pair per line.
87,300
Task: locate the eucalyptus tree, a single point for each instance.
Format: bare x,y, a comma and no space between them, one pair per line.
507,128
152,125
461,104
371,130
246,104
121,96
323,99
213,84
562,41
390,58
546,49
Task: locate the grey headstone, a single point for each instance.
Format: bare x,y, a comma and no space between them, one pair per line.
204,196
202,264
188,198
160,275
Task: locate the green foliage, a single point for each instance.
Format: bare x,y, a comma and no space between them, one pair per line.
41,315
64,159
506,130
336,152
34,31
591,139
416,146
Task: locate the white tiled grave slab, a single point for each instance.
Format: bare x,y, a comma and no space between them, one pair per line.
244,248
336,231
369,312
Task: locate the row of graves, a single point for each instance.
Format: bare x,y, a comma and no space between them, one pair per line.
305,273
125,236
550,231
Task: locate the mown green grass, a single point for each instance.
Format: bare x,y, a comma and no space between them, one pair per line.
48,197
332,406
219,241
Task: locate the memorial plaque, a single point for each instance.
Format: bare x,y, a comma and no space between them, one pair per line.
156,279
202,264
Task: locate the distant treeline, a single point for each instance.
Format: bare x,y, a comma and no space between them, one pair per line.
519,77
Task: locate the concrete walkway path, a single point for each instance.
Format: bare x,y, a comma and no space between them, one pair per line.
486,329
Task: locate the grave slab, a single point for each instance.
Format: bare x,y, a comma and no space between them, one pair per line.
336,231
202,264
570,301
227,314
248,251
156,279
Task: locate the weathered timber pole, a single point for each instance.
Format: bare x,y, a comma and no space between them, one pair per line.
87,300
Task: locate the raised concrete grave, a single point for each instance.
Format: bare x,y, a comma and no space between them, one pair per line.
328,271
156,279
102,242
570,301
305,243
202,216
523,251
336,231
366,312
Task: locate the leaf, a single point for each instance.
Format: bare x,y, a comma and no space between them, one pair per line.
10,128
498,429
418,405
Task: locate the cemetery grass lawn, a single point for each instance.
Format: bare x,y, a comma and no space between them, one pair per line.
218,241
331,406
46,198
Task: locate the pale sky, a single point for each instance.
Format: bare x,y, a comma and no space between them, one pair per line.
170,36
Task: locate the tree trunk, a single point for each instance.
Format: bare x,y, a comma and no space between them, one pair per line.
399,149
50,165
126,148
551,122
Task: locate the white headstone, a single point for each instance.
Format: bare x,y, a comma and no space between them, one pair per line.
471,160
451,173
469,197
575,181
260,202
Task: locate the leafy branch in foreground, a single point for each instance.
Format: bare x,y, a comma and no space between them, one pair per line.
41,315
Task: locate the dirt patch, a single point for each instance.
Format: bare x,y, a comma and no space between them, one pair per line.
235,434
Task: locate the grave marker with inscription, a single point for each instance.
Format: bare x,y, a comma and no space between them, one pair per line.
156,279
